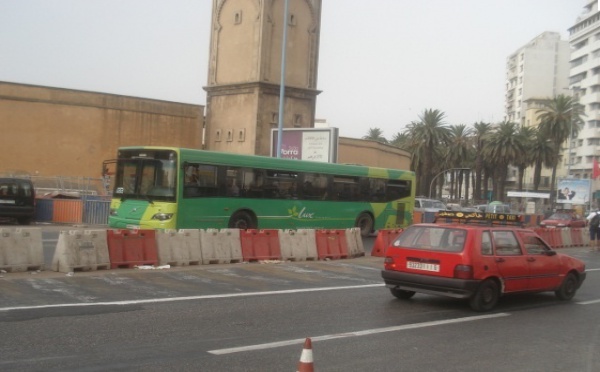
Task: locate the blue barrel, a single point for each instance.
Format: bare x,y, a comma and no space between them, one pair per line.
44,209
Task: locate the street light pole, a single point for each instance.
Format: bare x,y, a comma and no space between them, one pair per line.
442,172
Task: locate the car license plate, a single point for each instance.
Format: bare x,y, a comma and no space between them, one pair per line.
422,266
7,202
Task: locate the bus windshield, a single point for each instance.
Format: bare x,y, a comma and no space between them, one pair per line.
147,179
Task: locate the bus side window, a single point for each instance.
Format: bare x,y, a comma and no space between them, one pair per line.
315,186
377,190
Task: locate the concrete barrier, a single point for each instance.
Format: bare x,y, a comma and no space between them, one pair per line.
188,247
298,245
21,249
354,243
220,246
81,250
165,247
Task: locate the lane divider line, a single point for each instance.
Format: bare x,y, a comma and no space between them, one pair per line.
190,298
367,332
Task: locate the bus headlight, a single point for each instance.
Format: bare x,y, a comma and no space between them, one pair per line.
162,216
113,212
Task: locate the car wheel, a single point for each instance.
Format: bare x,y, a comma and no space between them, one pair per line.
567,288
486,297
365,223
402,294
242,220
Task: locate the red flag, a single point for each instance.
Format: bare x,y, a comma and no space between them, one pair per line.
595,169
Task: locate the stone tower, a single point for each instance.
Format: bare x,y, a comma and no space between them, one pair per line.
244,73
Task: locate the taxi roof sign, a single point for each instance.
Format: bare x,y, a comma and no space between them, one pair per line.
479,217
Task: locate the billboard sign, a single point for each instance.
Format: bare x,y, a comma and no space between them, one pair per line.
573,191
314,144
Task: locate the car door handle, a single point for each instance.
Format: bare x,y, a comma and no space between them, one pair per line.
499,259
530,259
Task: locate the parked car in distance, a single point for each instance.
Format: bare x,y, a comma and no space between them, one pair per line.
564,218
17,200
497,207
477,261
428,205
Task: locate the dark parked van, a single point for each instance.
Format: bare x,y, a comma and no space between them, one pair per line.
17,200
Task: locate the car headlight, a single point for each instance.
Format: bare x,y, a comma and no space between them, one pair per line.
162,216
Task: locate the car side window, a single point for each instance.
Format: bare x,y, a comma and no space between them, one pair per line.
486,244
533,244
506,243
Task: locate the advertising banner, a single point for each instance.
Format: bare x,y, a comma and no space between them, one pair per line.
314,144
573,191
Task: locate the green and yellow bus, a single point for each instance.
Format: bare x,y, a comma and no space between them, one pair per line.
177,188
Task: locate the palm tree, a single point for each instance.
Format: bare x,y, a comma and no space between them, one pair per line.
543,155
459,144
504,146
527,135
400,140
430,133
481,131
375,134
560,119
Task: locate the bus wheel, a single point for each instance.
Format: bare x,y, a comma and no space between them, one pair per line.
365,223
242,220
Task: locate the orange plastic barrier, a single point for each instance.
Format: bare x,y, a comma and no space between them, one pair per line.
129,248
260,245
384,238
544,234
331,244
67,211
577,237
556,238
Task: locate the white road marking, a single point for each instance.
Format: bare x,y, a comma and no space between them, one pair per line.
355,334
588,302
189,298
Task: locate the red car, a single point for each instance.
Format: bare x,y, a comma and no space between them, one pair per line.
564,218
480,261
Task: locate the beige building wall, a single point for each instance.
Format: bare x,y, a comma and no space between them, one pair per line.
245,71
63,132
372,153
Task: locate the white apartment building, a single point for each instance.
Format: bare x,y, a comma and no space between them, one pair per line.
584,80
537,70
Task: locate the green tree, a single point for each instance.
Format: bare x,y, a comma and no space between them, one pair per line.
481,131
527,136
543,155
560,119
428,135
458,154
375,134
400,140
504,146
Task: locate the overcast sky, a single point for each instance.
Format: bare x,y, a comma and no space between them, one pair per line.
381,62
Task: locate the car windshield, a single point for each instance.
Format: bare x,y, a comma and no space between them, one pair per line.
434,204
432,238
560,216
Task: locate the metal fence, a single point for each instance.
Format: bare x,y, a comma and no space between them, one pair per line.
72,186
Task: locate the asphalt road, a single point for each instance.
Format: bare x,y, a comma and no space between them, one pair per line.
255,317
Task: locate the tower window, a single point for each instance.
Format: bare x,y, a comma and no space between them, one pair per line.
237,17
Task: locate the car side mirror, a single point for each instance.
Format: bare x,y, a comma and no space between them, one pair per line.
550,253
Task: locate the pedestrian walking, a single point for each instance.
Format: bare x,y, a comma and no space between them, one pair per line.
594,224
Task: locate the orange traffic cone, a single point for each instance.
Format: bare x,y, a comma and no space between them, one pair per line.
306,359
